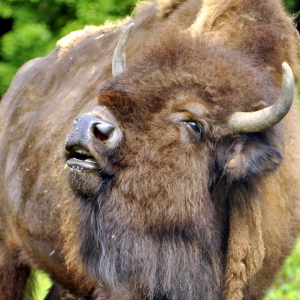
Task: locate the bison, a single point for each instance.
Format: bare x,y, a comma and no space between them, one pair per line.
171,174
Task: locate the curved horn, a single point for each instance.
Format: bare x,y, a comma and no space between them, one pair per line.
265,118
118,62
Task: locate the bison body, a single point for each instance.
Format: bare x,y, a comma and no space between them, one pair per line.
151,193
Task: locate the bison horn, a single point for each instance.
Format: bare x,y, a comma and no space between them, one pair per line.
118,62
269,116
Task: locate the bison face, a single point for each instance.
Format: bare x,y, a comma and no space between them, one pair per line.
152,165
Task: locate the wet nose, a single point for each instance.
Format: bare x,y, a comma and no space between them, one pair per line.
87,128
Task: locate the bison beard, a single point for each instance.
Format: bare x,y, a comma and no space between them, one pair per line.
151,261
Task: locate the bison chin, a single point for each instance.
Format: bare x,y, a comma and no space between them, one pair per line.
86,177
87,183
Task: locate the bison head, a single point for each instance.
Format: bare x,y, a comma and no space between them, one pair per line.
156,163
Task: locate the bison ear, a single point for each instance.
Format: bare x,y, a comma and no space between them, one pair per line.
250,159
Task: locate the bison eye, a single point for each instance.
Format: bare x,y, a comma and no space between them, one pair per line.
192,129
193,126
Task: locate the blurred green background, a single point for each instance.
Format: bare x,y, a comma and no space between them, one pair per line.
30,28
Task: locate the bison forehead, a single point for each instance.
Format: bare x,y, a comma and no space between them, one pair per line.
218,77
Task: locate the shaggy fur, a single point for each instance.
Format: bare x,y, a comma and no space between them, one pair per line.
174,213
71,40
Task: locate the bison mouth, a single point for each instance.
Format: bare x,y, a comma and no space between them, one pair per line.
81,159
86,176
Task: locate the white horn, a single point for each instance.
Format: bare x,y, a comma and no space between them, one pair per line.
119,58
269,116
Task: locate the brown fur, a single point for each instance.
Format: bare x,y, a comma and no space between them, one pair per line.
71,40
185,217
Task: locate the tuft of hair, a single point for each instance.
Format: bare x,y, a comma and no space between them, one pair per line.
72,39
166,7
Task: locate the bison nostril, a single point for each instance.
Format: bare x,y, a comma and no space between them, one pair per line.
103,131
75,121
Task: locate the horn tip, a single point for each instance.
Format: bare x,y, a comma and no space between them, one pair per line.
288,76
286,68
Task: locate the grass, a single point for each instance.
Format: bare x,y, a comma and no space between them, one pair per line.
287,283
44,283
285,287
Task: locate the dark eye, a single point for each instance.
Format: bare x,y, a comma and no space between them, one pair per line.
194,130
194,126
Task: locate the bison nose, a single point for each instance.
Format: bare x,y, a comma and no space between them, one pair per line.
87,128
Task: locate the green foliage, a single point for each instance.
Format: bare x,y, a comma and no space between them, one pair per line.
44,284
25,42
287,283
7,71
291,5
30,28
